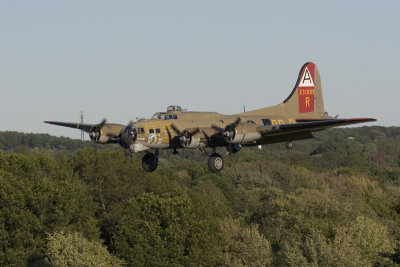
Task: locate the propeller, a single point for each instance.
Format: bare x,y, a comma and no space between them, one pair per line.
185,136
129,134
229,132
94,132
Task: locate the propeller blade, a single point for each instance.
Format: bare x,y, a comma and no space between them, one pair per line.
102,122
176,130
206,136
184,132
195,131
169,135
218,129
232,125
235,123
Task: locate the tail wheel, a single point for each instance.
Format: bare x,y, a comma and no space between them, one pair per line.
215,163
289,145
149,162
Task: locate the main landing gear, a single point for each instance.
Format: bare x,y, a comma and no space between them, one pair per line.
150,161
215,162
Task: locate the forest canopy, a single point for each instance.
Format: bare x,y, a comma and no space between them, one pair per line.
331,201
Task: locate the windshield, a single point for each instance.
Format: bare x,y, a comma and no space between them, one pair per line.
158,115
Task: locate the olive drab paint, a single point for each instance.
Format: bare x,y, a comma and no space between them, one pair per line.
300,114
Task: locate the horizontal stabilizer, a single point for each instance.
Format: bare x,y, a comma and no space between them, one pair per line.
309,126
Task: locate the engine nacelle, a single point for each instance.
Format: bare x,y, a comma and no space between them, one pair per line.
189,140
98,135
243,133
104,134
128,136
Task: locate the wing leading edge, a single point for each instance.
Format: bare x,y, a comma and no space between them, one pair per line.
84,127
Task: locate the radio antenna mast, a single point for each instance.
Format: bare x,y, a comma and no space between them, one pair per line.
82,132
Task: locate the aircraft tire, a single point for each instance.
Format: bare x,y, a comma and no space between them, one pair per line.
215,163
289,145
149,162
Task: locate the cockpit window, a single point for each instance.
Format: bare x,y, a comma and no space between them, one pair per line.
157,130
151,130
159,116
250,121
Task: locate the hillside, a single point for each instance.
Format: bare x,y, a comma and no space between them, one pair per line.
331,201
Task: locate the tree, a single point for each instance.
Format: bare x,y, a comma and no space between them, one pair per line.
39,195
243,246
166,230
368,241
73,249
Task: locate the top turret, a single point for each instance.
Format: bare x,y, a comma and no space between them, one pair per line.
174,108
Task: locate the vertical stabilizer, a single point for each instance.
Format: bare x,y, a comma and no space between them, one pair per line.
306,97
305,100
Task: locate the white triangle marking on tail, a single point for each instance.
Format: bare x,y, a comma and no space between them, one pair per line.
306,80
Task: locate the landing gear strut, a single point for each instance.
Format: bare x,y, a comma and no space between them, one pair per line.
150,162
215,162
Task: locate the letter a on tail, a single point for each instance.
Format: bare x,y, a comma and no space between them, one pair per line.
306,90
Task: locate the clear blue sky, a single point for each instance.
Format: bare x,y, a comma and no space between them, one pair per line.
128,59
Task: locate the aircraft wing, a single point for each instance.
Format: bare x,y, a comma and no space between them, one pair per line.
307,126
84,127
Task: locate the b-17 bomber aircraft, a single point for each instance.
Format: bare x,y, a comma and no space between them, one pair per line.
300,114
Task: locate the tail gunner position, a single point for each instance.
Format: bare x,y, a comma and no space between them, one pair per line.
300,114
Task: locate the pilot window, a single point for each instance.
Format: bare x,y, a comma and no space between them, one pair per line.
151,130
266,121
141,130
175,117
157,130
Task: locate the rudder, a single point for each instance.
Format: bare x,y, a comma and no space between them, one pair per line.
306,97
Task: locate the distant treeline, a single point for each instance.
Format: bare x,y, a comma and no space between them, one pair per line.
16,142
331,201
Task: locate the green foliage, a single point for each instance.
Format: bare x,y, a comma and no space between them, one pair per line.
331,201
73,249
38,195
166,230
362,243
243,246
14,141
